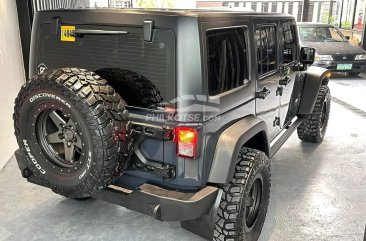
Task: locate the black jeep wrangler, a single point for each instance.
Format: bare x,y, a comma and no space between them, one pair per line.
174,114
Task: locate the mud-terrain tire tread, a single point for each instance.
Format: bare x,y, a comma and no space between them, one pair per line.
135,89
105,114
310,129
229,221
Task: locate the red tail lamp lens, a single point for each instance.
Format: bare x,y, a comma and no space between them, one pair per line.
186,139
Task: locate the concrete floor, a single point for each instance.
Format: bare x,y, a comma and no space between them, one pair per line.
318,192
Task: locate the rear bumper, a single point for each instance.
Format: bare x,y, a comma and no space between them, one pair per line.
357,66
163,204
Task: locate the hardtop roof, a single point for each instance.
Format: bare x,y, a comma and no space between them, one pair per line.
204,13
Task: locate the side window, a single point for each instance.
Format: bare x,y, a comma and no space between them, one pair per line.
336,35
289,43
266,49
288,33
227,59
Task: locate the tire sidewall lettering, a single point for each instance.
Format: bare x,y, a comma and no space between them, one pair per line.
32,158
45,95
33,151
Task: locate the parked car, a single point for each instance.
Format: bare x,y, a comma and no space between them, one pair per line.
174,114
333,50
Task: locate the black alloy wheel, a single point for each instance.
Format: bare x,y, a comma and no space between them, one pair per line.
61,139
253,202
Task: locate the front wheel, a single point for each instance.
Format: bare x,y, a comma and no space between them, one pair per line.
245,199
314,126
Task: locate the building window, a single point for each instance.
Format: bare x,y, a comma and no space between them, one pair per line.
253,6
274,7
121,4
299,13
266,49
236,4
225,4
227,59
311,11
290,8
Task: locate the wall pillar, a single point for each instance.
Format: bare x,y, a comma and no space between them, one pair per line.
305,11
364,30
259,7
295,9
279,7
315,12
285,9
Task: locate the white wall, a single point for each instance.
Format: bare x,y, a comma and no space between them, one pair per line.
11,76
187,4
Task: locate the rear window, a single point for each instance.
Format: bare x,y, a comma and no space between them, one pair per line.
155,61
227,59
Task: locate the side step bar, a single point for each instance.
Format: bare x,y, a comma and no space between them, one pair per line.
278,142
162,204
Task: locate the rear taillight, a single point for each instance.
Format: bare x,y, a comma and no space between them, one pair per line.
186,139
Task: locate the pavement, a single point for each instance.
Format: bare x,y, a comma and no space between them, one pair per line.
318,192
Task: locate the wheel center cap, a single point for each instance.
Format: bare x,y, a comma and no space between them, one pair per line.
69,135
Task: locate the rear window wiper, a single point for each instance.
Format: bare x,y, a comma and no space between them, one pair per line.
82,32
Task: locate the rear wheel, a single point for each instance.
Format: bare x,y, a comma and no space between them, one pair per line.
245,199
66,123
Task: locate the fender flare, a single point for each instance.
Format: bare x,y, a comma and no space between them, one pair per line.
229,144
313,80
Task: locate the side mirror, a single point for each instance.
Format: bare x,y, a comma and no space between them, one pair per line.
307,56
348,37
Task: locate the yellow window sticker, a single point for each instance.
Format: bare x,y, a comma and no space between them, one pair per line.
66,33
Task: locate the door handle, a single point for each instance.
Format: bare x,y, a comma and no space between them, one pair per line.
285,81
279,91
262,94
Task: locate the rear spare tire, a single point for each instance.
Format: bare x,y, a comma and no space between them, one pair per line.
72,127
